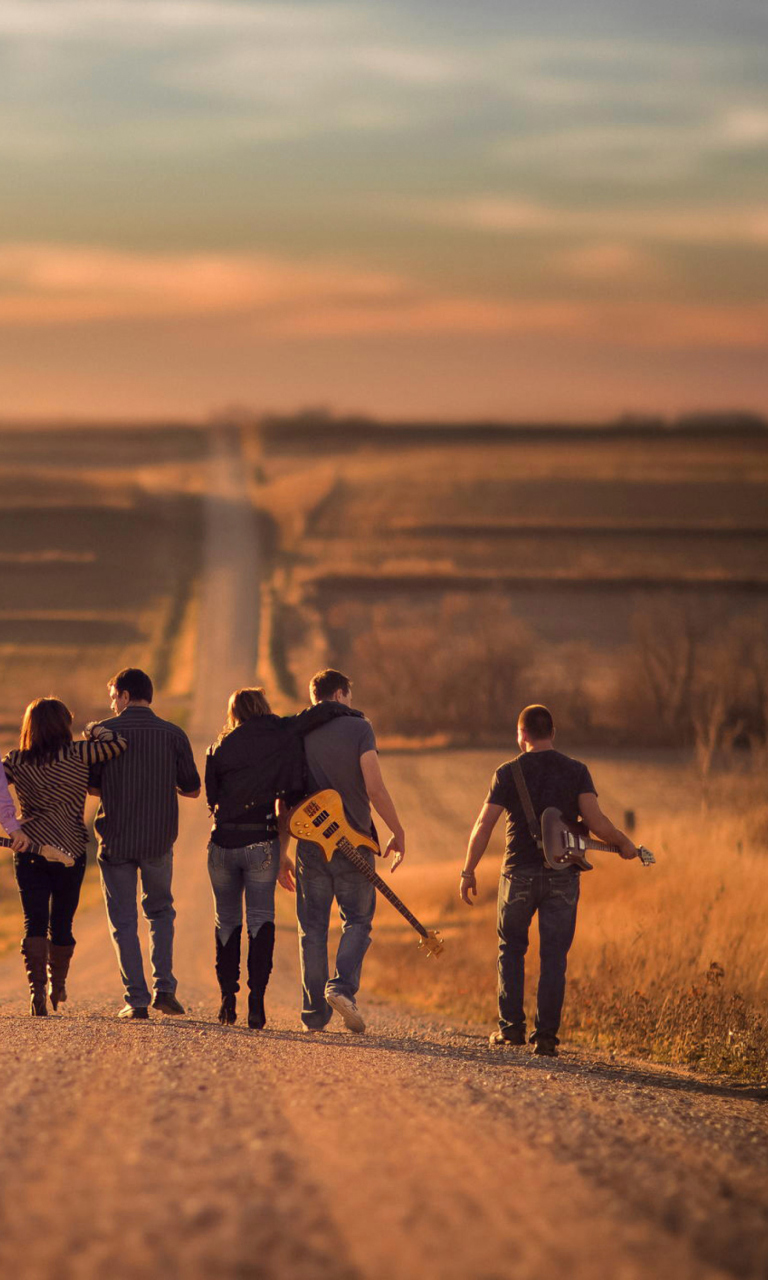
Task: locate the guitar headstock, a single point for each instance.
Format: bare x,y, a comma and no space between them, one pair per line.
645,855
433,943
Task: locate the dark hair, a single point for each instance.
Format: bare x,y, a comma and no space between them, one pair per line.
45,729
326,683
536,722
135,683
244,704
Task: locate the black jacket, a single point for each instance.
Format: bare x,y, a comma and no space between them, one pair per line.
253,765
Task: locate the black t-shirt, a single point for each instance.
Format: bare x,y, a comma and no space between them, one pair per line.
552,779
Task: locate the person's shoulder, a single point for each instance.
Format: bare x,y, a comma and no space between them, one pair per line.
505,768
569,763
166,726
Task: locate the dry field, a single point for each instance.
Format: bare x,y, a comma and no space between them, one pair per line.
669,961
404,563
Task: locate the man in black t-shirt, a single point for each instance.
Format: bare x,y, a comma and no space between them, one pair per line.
527,884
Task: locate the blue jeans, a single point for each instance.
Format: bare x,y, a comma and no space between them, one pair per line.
318,882
119,881
251,870
555,895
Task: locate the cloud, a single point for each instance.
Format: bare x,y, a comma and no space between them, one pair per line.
608,261
51,284
500,215
43,285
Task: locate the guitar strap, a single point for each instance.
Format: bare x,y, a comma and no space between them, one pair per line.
534,826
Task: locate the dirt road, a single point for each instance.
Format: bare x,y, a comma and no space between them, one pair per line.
178,1148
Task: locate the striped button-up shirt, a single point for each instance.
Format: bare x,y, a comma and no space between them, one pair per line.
138,818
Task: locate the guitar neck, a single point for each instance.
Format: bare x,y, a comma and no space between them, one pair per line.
356,858
5,843
598,844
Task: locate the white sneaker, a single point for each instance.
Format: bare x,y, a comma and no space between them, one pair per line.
353,1018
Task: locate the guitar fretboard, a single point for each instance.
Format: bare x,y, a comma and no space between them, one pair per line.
598,844
356,858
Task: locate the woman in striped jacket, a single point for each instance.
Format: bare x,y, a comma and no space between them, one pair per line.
50,774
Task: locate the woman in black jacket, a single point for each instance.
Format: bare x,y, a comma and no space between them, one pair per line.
258,758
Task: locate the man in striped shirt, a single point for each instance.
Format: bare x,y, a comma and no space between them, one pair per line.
137,825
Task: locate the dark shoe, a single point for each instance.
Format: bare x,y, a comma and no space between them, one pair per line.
545,1047
35,953
164,1002
498,1038
228,974
261,948
228,1011
59,959
132,1014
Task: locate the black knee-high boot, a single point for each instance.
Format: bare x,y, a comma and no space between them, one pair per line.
261,947
228,974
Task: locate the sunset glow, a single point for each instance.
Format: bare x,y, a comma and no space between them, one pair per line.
431,210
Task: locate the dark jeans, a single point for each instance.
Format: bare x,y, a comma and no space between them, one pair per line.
50,893
318,882
119,881
555,895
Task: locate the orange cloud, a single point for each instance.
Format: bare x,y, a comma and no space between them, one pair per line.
51,285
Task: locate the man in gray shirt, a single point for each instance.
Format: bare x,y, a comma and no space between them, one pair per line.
342,756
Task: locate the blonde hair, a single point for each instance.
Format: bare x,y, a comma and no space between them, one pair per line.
245,704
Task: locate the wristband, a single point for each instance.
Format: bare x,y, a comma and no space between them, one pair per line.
467,873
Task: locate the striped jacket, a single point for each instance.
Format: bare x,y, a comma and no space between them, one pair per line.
52,792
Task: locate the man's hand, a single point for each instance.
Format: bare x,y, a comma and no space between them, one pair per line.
467,886
19,842
627,849
285,875
395,846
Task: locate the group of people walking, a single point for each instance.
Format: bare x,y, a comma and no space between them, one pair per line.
139,765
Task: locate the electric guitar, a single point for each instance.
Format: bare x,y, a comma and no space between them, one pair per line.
321,819
565,844
48,851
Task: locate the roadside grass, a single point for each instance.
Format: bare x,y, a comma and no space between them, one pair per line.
669,962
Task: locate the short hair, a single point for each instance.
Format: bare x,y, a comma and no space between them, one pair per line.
536,722
324,684
135,682
45,729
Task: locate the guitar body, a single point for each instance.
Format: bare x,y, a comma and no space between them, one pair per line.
565,844
326,831
321,820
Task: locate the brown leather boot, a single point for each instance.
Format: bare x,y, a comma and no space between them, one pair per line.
59,959
35,953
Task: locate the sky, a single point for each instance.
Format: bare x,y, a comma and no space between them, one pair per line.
505,210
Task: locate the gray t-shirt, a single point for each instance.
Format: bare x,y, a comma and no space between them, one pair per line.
333,757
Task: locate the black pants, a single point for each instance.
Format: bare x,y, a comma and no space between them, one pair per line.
555,895
50,893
